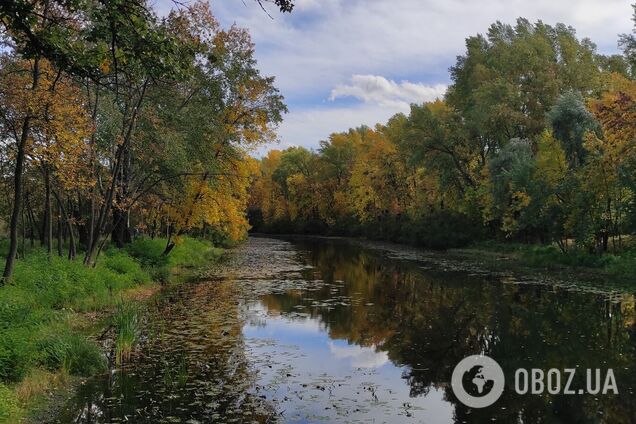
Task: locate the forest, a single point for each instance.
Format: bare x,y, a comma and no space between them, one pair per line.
115,121
129,162
534,142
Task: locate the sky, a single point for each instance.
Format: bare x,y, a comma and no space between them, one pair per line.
344,63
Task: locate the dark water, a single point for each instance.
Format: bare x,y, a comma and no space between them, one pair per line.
324,330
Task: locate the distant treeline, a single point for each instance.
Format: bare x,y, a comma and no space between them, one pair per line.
534,141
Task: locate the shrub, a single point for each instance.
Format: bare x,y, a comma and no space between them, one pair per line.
148,251
124,264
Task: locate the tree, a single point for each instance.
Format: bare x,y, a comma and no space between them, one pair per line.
570,121
506,82
613,154
628,43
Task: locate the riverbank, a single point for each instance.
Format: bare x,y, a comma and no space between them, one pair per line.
332,330
519,258
619,265
61,322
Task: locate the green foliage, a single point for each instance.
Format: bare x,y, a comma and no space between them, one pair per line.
570,121
443,230
36,303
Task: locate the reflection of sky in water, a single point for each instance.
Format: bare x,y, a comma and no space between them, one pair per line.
313,377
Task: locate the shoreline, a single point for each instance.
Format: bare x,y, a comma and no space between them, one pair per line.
42,393
503,259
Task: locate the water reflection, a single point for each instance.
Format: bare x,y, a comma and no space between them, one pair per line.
191,369
326,330
426,321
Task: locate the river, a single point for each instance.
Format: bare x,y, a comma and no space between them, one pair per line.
329,330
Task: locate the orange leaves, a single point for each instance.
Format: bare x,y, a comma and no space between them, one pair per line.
218,200
616,112
59,121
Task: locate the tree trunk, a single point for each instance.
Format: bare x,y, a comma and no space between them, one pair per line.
106,207
69,227
169,244
24,225
17,183
48,216
120,235
59,235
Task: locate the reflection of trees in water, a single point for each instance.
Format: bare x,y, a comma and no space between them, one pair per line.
193,366
428,322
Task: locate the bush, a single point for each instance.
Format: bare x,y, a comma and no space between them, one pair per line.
187,252
123,264
148,251
444,229
551,255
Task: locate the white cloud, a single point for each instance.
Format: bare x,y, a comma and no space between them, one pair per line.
323,42
384,92
308,127
360,356
314,51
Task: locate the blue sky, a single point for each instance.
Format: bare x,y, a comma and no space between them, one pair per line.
343,63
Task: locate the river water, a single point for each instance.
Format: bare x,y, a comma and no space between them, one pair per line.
328,330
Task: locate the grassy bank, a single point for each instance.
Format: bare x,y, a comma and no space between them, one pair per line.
52,311
620,264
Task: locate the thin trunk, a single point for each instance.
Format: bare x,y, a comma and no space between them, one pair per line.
169,244
48,216
104,210
17,183
69,226
34,225
24,225
91,225
59,236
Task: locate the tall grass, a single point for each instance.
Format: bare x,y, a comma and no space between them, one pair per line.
8,404
42,329
38,307
188,253
127,327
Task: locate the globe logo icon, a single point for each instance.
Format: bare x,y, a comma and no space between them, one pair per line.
478,381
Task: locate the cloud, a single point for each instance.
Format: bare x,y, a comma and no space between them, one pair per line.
359,356
384,92
309,126
314,51
323,42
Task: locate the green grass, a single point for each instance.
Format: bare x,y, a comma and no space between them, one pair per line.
43,309
126,321
189,253
620,264
36,305
8,404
